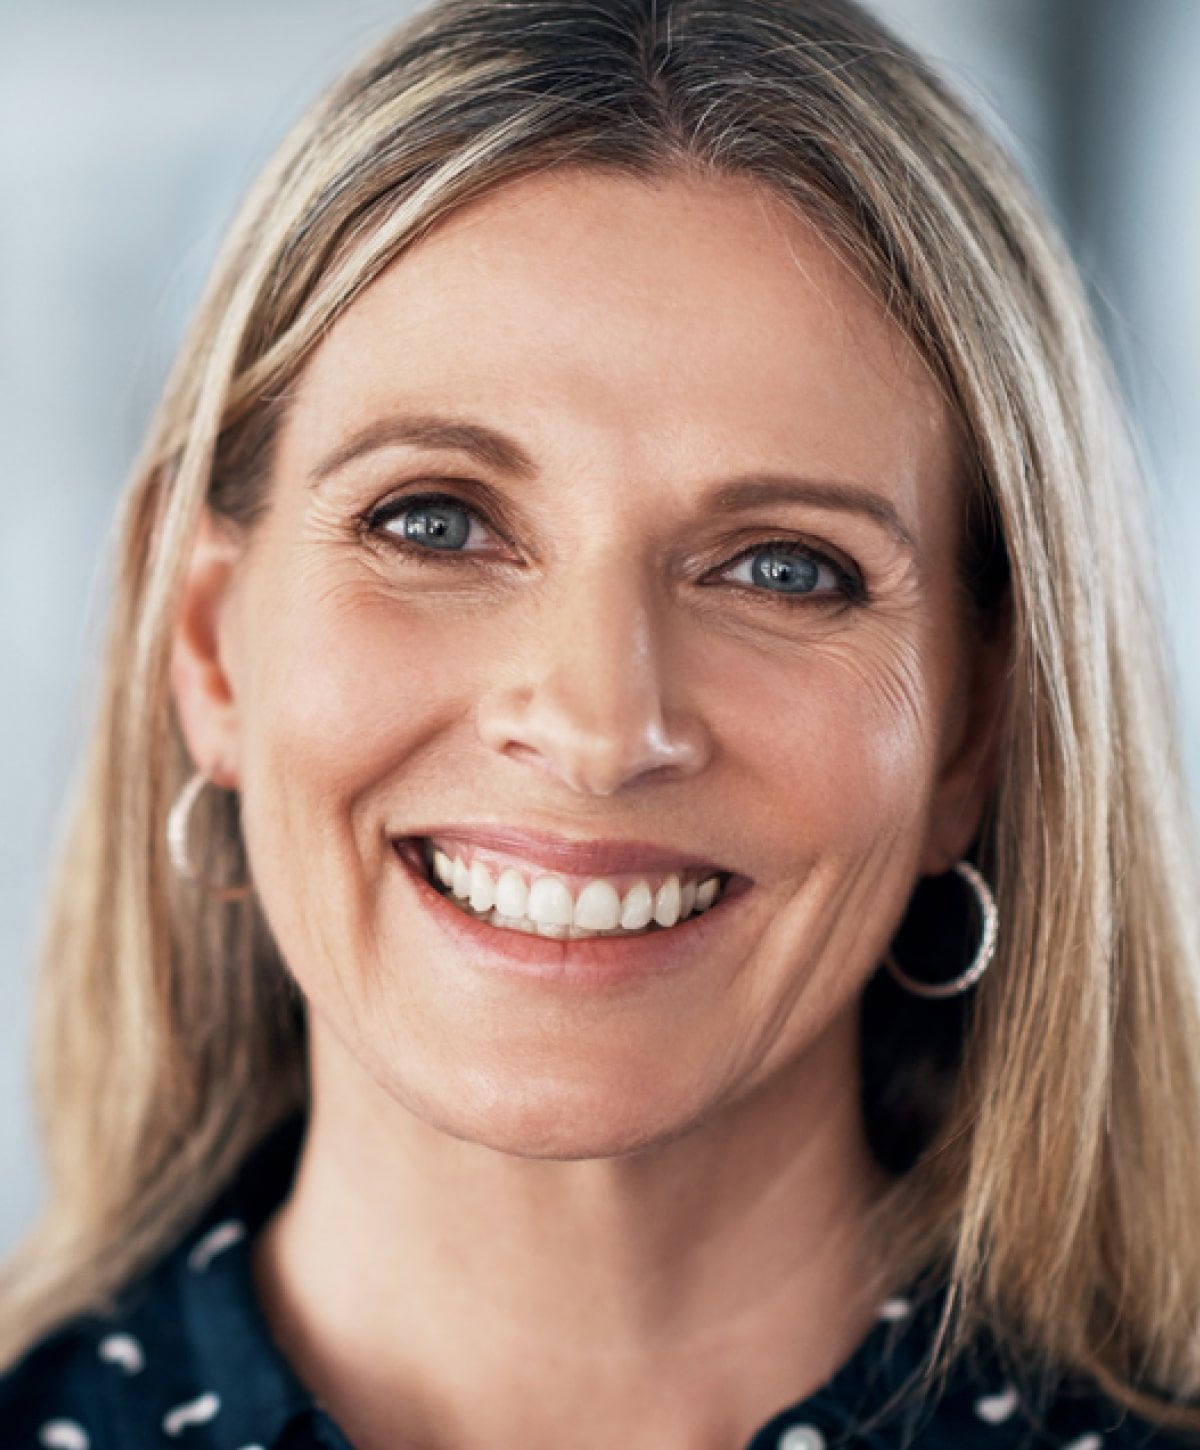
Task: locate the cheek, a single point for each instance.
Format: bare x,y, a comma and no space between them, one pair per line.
349,683
841,741
346,698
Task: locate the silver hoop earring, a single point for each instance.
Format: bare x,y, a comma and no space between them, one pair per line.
177,837
990,917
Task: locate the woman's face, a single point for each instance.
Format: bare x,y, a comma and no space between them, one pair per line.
597,650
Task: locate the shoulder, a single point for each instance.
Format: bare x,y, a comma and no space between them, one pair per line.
121,1374
135,1374
1089,1420
1076,1416
182,1344
56,1396
175,1347
997,1393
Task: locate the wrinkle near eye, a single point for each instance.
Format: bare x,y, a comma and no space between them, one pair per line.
890,678
718,590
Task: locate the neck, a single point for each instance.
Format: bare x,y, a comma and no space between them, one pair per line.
422,1285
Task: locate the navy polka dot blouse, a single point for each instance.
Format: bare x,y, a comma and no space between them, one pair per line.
187,1359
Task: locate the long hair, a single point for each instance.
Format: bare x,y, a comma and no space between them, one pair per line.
1043,1141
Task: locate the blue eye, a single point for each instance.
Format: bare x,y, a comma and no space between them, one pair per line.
783,571
792,572
434,521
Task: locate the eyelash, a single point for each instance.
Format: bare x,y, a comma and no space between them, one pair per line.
850,586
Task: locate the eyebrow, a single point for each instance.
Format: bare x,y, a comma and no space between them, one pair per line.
503,454
488,446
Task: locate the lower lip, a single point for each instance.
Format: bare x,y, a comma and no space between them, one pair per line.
599,961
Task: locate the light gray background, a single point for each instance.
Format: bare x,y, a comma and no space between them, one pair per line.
129,128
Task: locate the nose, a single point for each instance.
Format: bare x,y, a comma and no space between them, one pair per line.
587,702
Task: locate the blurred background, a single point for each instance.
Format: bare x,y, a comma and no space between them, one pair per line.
128,130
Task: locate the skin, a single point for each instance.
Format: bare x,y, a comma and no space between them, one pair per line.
533,1217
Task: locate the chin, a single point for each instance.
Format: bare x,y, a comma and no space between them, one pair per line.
546,1121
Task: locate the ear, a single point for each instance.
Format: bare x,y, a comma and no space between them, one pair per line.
968,772
202,649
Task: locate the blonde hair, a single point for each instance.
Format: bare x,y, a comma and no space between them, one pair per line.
1058,1180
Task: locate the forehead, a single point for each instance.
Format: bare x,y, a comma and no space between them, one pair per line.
663,321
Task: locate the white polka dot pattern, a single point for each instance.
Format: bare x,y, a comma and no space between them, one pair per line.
801,1437
123,1350
215,1242
895,1309
995,1409
63,1435
192,1412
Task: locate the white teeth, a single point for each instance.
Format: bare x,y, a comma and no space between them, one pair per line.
667,902
598,907
443,867
637,908
547,908
512,895
688,900
461,885
549,902
483,888
513,923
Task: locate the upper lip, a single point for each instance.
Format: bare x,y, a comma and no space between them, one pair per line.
563,853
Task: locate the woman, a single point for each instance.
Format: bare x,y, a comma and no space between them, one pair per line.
632,886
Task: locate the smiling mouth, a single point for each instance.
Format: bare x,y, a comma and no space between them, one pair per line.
538,902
